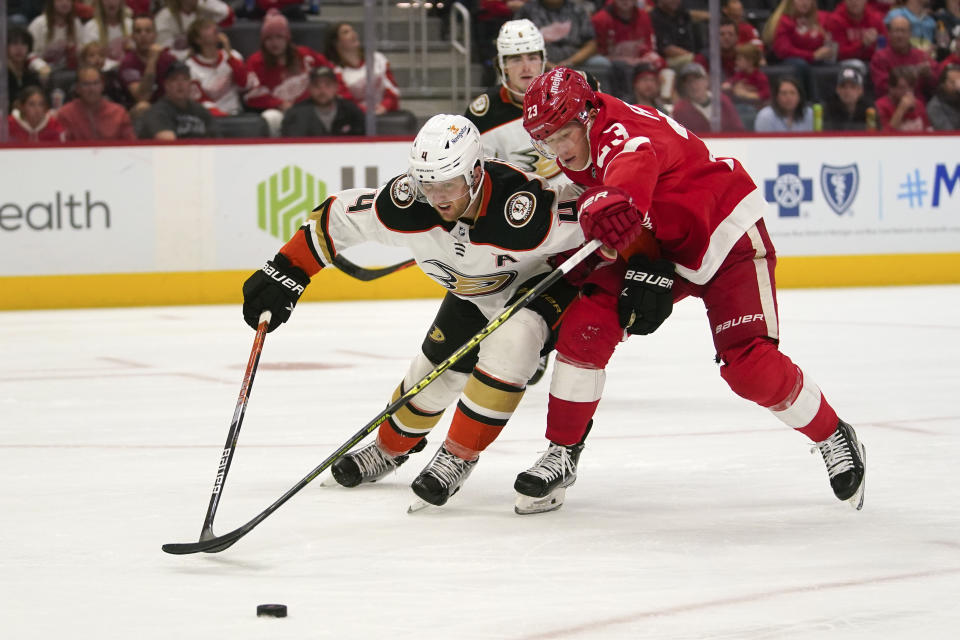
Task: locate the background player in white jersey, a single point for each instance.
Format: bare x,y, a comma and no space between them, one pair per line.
484,231
498,112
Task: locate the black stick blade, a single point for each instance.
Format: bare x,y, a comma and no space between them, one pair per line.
213,545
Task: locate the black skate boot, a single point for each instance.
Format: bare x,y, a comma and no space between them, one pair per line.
368,464
441,479
543,486
845,458
541,369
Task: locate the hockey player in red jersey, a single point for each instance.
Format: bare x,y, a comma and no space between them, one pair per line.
648,177
484,230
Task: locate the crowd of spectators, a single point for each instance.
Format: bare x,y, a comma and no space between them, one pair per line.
792,66
166,69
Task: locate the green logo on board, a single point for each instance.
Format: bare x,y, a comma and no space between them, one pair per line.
285,199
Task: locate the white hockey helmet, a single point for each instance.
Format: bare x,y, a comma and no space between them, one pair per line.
516,37
446,147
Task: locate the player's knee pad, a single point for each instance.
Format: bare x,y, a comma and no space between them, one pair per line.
591,330
439,394
756,370
576,384
512,352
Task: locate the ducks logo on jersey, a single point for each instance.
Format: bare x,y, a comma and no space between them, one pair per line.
519,208
401,193
480,105
467,286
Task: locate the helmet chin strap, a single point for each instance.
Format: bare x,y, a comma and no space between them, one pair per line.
479,186
513,92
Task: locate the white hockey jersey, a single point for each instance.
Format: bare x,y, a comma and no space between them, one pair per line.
521,223
218,84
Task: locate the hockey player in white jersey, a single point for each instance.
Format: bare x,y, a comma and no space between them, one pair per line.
482,229
498,112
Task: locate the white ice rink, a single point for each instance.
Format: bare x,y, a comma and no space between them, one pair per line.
695,515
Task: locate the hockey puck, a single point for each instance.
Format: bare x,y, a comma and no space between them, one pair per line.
272,610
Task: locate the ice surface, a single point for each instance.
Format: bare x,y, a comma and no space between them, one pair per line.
696,514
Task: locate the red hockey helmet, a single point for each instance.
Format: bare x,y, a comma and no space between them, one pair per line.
555,98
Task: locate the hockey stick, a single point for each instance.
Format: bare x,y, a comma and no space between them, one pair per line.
220,543
234,434
364,274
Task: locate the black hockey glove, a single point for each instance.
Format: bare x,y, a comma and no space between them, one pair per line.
274,288
646,299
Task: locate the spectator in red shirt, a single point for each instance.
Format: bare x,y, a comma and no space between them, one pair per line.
90,116
749,84
31,121
746,32
748,87
728,46
798,38
282,70
901,109
692,109
625,36
144,69
900,53
796,33
855,28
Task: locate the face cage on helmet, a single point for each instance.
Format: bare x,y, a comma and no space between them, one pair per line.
473,189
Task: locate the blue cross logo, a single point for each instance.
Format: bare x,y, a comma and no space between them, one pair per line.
788,190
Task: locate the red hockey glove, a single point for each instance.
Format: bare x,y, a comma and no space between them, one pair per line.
607,213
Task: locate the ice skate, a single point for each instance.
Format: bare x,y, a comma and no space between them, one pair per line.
368,464
440,479
541,369
845,458
543,486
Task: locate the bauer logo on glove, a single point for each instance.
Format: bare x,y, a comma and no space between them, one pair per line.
646,299
652,279
282,279
274,288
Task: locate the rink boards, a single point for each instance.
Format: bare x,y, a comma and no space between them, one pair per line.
182,224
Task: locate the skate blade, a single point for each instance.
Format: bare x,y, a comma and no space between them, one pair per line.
856,500
418,505
527,505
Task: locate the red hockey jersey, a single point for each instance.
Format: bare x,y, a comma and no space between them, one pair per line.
276,85
686,196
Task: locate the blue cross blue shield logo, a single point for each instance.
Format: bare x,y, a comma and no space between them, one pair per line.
839,186
789,190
